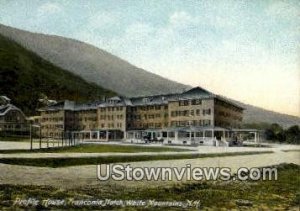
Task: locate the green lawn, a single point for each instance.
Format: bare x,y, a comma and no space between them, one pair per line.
291,150
283,194
21,139
76,161
96,148
99,148
257,145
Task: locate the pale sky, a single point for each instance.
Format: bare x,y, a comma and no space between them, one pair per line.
246,50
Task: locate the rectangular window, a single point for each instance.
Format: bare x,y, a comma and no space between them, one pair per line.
206,111
151,116
182,123
183,103
196,102
186,113
157,107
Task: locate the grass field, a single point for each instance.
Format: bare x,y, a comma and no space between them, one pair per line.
291,150
257,145
21,139
98,148
283,194
77,161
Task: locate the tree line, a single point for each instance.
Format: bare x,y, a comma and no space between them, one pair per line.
276,133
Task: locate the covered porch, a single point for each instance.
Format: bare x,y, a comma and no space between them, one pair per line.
209,136
178,135
135,136
99,135
195,135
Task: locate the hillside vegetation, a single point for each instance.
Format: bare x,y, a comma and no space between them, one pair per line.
25,77
93,64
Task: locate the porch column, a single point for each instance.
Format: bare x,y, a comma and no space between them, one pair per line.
98,135
115,135
90,135
217,142
176,135
107,136
213,137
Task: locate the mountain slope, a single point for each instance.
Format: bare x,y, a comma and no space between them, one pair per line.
254,114
93,64
111,72
25,77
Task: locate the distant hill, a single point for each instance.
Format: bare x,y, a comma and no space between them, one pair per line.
254,114
108,71
25,77
93,64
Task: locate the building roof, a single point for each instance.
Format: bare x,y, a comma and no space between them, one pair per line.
194,93
71,106
5,99
4,109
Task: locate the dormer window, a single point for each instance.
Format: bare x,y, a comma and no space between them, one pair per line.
196,102
146,100
114,100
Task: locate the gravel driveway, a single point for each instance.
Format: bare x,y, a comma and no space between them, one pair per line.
77,176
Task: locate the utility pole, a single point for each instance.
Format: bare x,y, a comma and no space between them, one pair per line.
62,138
40,137
30,128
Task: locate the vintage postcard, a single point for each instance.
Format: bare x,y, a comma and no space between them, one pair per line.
149,105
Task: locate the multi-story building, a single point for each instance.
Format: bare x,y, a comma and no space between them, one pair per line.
148,113
68,116
113,117
12,119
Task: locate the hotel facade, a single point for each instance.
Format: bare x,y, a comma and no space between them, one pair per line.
193,113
